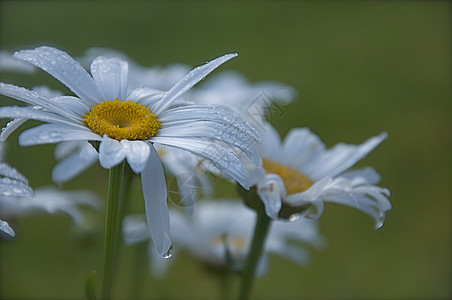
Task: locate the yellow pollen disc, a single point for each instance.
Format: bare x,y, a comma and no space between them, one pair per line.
294,181
122,120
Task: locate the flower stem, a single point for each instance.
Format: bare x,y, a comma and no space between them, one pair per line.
112,228
263,223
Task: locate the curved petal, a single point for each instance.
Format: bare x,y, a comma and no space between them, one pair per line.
218,131
111,152
271,190
36,99
39,115
219,156
188,114
137,153
10,128
4,226
110,75
64,68
7,171
154,192
190,80
55,133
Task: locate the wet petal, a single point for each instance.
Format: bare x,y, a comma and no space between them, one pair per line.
53,133
64,68
110,75
137,153
190,80
111,152
154,192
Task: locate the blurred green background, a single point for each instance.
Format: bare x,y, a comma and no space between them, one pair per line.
359,67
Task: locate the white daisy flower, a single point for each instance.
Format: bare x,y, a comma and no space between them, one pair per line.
300,173
127,123
223,225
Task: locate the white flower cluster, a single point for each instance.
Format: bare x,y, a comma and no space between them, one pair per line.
157,120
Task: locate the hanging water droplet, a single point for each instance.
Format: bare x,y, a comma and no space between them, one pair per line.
294,217
168,253
379,224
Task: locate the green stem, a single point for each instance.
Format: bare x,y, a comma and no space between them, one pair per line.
257,246
225,284
112,228
138,270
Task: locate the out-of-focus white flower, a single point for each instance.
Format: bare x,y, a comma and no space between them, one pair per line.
299,173
220,226
126,123
252,101
9,63
52,201
18,199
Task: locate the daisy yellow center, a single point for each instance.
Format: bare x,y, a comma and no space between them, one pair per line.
294,181
122,120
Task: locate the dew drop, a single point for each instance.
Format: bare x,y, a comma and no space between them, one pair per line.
379,224
294,217
168,253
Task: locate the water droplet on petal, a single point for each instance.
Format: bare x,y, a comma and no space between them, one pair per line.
294,217
379,224
168,253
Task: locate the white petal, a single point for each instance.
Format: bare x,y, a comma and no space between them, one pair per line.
216,113
110,75
73,165
219,156
271,148
53,133
13,188
73,105
271,190
367,175
190,80
137,153
340,158
64,68
218,131
36,99
10,128
311,194
154,192
4,226
300,147
146,96
8,171
111,152
39,115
